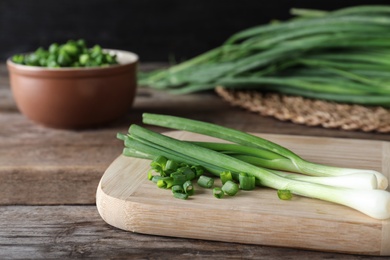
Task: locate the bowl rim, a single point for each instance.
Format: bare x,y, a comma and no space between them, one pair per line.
133,58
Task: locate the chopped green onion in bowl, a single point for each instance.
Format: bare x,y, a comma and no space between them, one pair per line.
73,54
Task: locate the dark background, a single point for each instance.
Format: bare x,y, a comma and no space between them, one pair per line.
155,29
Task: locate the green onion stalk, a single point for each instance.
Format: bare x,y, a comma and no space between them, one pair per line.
373,202
340,56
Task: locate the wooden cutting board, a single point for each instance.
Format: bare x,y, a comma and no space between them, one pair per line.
127,200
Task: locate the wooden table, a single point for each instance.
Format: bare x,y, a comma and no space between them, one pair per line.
47,204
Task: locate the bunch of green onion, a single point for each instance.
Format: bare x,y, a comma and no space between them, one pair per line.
341,56
270,164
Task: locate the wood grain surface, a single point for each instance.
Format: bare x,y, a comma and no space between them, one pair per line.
127,200
69,232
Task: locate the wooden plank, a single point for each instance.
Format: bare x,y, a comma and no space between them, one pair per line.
48,166
69,232
127,200
43,166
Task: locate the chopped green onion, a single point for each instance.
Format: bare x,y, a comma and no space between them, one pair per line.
218,193
188,188
158,164
199,170
70,54
226,176
230,188
205,182
285,194
177,188
171,166
150,175
163,182
178,192
178,178
247,182
187,172
156,178
179,195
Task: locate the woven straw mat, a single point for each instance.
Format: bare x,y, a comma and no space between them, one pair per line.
310,111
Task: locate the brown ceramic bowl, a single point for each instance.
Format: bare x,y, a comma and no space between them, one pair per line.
73,98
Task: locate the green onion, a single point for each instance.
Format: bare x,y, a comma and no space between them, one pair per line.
284,194
273,56
230,188
165,183
158,164
188,173
179,195
247,182
178,178
199,170
156,178
288,159
188,188
374,203
218,193
239,149
171,166
150,175
177,189
205,182
178,192
133,148
226,176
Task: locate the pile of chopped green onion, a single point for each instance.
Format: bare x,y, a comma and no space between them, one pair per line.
246,158
341,56
178,176
73,54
